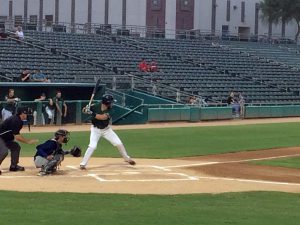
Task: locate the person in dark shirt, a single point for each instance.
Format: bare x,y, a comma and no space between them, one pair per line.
10,134
230,98
42,100
25,76
60,107
101,119
9,107
50,154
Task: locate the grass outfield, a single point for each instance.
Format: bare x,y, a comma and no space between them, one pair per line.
284,162
187,141
234,208
114,209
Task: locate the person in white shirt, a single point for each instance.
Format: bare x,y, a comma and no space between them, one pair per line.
19,33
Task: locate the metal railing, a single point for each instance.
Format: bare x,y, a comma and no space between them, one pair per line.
157,89
143,31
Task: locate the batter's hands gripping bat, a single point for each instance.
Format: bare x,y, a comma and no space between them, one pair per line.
96,88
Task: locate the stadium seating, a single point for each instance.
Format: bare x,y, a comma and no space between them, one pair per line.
194,66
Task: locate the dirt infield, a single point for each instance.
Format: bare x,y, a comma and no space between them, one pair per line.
208,174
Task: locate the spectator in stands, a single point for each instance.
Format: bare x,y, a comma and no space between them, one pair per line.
25,76
153,66
19,34
215,44
42,99
203,102
233,102
192,100
234,105
61,108
241,102
143,66
39,77
10,105
3,35
230,98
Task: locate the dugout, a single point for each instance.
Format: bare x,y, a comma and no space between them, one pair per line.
28,91
75,94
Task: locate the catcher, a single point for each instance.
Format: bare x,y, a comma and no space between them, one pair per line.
50,154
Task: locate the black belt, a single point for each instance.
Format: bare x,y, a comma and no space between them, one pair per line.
101,128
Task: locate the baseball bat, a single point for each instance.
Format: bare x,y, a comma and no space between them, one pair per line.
94,91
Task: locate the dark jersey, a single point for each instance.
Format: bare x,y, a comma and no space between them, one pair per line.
22,76
101,124
10,127
58,100
229,100
44,105
10,106
49,147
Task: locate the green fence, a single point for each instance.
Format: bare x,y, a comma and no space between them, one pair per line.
161,113
272,111
195,114
187,113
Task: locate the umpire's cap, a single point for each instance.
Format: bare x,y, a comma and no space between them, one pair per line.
25,110
107,99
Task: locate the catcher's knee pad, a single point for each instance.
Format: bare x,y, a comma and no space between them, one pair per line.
59,158
51,166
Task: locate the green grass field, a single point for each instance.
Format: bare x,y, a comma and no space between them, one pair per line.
284,162
188,141
107,209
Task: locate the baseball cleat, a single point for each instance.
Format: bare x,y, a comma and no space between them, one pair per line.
16,168
131,162
42,173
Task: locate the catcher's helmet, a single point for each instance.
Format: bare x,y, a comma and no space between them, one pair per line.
107,99
64,133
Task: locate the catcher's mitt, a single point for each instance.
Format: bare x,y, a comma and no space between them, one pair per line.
75,151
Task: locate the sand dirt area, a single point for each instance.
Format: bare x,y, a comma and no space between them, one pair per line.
232,172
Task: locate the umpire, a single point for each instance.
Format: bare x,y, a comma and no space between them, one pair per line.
10,134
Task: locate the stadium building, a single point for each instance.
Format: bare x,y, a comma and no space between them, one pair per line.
229,17
215,59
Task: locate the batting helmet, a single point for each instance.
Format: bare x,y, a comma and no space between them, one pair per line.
64,133
107,99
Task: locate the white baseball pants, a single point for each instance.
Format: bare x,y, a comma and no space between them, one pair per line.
109,135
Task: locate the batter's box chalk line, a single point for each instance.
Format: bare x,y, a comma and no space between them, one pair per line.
155,170
250,181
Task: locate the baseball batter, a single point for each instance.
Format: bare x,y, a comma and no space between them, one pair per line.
101,128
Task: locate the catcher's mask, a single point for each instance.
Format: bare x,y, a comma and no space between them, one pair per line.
63,133
107,100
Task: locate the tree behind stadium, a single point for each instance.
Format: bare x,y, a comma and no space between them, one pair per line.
274,11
